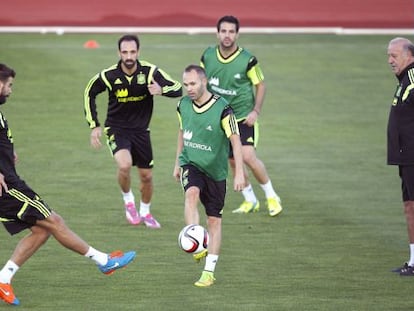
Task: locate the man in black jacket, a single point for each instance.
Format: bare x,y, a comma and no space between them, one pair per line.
401,133
131,85
22,208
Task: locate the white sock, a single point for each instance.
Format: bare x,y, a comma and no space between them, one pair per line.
144,208
268,190
128,197
97,256
8,271
211,261
411,262
248,194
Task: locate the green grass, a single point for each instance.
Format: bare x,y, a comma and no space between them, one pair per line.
322,139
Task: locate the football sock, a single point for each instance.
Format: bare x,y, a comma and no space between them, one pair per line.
128,196
144,208
211,261
97,256
268,190
411,262
8,271
248,194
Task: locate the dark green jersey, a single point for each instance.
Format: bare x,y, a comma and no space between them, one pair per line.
206,131
130,103
233,78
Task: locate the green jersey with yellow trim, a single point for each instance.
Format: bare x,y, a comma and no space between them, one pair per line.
233,77
206,131
130,104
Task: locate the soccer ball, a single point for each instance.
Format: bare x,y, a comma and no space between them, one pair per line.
193,239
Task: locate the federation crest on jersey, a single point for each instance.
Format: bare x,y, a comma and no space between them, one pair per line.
141,78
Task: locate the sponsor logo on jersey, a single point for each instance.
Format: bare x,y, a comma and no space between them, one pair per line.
121,93
221,91
214,81
188,135
122,96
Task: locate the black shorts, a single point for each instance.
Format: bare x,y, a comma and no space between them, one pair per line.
138,144
21,207
249,135
212,193
407,182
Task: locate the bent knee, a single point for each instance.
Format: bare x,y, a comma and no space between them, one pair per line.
145,176
193,191
41,232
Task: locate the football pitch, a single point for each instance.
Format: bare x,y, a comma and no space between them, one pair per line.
323,131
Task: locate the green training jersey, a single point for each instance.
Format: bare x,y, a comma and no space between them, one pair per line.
206,131
233,78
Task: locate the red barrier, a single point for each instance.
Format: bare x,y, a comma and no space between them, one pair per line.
193,13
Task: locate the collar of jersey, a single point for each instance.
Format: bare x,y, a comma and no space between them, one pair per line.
230,58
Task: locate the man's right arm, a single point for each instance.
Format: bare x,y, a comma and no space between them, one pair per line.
93,88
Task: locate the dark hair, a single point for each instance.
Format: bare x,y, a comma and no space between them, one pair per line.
228,19
6,72
200,70
128,38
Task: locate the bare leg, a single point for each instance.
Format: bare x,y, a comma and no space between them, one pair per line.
255,164
124,163
146,186
214,230
409,216
191,215
29,245
56,226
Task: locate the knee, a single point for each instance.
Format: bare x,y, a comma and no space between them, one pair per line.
214,220
213,223
146,178
56,221
249,158
41,233
409,208
192,192
124,168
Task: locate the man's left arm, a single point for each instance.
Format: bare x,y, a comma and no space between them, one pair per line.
163,84
408,95
255,74
229,125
